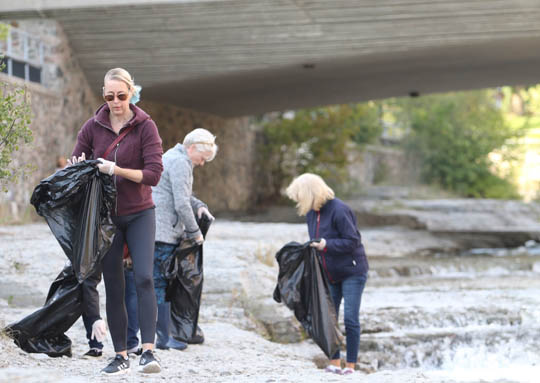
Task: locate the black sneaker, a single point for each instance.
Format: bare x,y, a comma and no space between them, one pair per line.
118,366
135,351
93,353
148,363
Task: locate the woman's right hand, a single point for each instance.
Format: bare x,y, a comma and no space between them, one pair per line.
75,160
199,240
320,245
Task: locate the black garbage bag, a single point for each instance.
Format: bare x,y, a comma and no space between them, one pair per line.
303,287
76,203
184,273
43,331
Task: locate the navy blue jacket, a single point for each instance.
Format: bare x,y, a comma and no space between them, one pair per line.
344,254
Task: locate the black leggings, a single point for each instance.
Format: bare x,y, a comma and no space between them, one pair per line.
138,231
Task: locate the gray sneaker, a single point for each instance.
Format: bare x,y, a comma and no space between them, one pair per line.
148,363
118,366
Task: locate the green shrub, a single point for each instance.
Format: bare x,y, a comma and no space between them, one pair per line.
453,135
315,140
15,130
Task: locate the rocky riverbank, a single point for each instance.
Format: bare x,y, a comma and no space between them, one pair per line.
234,351
433,310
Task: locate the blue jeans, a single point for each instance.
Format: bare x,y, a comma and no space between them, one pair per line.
162,251
131,308
350,290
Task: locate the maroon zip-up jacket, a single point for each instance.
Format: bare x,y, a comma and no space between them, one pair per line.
139,149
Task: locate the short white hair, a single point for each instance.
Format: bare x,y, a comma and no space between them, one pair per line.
203,140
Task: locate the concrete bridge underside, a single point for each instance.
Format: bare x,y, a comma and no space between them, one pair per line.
240,57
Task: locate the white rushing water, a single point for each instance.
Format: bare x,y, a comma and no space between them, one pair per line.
480,363
471,317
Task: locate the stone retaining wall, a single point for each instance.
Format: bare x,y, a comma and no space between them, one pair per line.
381,165
228,182
60,106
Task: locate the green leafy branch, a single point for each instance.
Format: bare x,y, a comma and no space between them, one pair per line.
15,119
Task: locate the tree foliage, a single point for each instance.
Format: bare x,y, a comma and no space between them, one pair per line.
453,134
315,140
15,118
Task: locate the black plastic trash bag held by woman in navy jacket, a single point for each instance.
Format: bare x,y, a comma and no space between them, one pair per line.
303,287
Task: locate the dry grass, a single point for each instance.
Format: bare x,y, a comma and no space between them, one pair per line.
3,335
266,254
9,217
19,267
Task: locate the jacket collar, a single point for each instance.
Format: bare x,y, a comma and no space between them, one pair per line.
102,115
326,204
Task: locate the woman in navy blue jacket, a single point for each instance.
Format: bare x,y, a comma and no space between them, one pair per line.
342,254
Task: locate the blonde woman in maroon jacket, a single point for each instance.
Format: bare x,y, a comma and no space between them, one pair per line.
136,165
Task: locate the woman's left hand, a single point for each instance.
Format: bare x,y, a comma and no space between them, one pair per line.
202,210
106,166
75,160
319,245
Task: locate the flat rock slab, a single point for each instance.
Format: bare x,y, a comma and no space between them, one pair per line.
467,223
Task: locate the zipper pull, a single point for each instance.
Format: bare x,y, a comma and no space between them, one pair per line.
354,262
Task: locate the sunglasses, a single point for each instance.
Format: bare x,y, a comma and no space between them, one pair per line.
120,96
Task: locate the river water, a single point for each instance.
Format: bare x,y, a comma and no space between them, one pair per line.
473,316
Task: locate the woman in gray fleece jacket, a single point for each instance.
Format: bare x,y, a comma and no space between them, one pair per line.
175,215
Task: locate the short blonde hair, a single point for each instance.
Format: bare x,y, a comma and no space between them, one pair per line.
203,140
309,191
120,74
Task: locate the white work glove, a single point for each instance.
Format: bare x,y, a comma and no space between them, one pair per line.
106,166
202,210
99,330
75,160
319,245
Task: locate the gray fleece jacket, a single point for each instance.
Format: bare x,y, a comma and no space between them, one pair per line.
175,204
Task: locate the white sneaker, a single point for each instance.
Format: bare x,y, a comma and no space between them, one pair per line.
333,369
